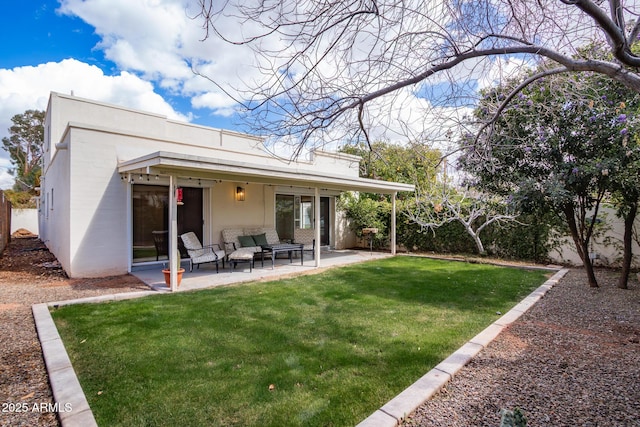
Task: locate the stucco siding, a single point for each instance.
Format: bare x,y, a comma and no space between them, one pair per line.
344,237
98,214
606,245
257,210
54,219
339,163
26,219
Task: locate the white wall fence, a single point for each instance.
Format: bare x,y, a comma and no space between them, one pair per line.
606,247
24,218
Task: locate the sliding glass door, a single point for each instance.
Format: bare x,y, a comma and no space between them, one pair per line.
285,218
150,220
297,213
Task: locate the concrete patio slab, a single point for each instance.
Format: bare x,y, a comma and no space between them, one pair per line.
206,276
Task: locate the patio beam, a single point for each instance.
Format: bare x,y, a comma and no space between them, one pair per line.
176,164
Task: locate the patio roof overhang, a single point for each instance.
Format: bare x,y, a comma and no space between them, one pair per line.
177,164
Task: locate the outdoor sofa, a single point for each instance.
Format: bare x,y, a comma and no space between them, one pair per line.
255,239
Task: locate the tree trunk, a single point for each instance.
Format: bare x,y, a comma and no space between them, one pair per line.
582,246
629,219
588,266
477,240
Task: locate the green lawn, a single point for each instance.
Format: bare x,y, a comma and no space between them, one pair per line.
335,346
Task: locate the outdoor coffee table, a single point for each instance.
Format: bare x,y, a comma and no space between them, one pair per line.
284,247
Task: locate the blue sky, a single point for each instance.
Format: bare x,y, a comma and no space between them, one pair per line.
32,33
127,52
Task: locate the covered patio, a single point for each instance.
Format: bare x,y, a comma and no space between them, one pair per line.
173,168
206,276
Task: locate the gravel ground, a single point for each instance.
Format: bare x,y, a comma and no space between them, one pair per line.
572,360
29,274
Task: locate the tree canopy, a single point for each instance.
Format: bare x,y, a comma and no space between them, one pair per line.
562,144
24,145
413,163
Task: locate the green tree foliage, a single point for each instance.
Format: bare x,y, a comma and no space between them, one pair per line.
561,144
24,145
21,199
414,163
365,212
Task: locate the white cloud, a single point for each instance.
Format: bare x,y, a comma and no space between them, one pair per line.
6,179
160,39
501,69
24,88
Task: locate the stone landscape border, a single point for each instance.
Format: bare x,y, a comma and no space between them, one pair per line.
69,399
398,408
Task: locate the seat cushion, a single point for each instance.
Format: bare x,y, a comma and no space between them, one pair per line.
272,236
191,241
241,254
304,235
206,257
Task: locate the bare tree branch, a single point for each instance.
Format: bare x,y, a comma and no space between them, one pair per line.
325,64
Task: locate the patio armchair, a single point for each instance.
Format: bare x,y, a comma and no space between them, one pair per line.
199,254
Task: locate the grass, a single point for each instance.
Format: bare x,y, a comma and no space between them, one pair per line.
334,347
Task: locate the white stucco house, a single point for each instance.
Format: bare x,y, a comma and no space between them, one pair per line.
111,174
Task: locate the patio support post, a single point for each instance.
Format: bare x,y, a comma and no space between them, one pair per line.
129,247
393,222
173,233
316,208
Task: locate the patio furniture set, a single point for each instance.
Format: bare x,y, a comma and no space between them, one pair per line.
243,245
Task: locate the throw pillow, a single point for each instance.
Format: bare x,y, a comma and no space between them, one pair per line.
246,241
260,239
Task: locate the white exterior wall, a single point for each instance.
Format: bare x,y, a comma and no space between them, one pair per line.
54,218
26,219
98,206
168,135
607,244
344,237
86,228
340,163
257,210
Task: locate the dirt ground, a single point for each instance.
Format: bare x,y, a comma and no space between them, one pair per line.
30,274
28,261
